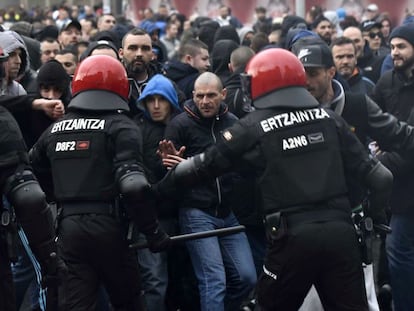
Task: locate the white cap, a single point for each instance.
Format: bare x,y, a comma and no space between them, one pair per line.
372,7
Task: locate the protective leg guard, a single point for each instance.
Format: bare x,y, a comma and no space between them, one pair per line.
33,213
138,203
379,181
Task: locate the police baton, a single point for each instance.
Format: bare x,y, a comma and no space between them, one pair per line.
196,235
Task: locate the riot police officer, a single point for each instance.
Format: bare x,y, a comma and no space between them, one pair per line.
95,156
22,190
301,152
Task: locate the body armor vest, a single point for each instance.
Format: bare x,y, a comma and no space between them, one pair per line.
81,160
303,159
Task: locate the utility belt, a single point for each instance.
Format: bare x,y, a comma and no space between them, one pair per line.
331,214
278,223
112,208
70,208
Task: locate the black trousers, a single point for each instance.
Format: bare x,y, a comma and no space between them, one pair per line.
325,254
96,253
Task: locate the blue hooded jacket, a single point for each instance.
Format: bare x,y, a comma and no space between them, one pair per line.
159,85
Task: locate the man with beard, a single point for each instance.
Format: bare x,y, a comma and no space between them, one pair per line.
362,114
136,55
344,57
323,27
394,93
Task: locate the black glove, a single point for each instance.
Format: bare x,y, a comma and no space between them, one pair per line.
158,241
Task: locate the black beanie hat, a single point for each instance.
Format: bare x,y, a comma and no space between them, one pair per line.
405,32
52,73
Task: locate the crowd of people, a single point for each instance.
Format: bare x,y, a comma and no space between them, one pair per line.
297,128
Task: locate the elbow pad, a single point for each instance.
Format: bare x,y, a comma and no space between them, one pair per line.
133,185
24,193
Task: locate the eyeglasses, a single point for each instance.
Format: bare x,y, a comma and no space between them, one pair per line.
372,35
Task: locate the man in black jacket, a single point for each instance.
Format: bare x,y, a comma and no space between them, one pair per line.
365,117
290,140
394,93
136,55
22,190
94,155
159,100
223,265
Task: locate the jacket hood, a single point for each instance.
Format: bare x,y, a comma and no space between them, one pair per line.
11,41
176,70
159,85
338,101
206,32
226,32
243,32
221,57
150,26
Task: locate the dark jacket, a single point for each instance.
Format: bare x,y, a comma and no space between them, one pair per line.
235,97
184,75
367,121
394,93
370,64
190,129
220,58
360,84
284,167
153,133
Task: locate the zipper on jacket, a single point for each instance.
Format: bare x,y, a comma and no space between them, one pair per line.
217,180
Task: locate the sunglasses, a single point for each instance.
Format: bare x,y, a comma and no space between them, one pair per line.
372,35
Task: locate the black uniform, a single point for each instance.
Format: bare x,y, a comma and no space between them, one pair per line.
89,153
21,189
301,152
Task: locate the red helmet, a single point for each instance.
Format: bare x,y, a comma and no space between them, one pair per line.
100,83
271,70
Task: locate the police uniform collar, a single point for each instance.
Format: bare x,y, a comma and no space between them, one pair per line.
98,100
292,97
